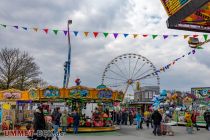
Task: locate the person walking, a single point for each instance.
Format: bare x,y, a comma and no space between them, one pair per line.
193,118
207,119
157,118
39,122
63,121
147,118
56,121
138,120
76,119
131,117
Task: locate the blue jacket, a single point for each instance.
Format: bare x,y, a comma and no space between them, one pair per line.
138,117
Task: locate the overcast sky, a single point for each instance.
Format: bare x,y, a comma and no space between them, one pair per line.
89,55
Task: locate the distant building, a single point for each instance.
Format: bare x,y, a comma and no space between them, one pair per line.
143,97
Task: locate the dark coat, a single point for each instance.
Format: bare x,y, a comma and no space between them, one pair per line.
76,119
39,121
157,118
56,118
207,117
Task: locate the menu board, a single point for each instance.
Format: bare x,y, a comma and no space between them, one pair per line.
172,6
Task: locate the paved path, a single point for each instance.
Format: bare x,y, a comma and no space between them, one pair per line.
130,133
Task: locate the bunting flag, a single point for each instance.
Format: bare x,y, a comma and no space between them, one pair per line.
4,25
45,30
86,33
106,34
35,29
25,28
95,33
186,36
205,37
165,36
125,35
195,36
15,27
115,35
144,35
65,32
55,31
135,35
154,36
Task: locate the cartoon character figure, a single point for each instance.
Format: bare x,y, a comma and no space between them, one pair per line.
77,81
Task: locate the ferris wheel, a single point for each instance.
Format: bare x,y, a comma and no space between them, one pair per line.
128,70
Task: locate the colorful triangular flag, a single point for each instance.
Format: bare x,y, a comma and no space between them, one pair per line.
45,30
125,35
4,25
154,36
195,36
193,51
16,27
35,29
95,34
55,31
205,37
135,35
186,36
25,28
145,35
105,34
65,32
86,33
175,35
165,36
76,33
115,35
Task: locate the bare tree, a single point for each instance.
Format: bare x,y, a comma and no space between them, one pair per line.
17,69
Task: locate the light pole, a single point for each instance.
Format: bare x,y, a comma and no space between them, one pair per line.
68,62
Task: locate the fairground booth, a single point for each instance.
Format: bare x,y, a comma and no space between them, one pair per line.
17,107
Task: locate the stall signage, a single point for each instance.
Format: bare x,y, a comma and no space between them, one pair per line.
10,95
33,94
79,93
107,94
50,93
203,92
173,6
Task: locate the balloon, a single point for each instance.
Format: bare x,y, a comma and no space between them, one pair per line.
163,93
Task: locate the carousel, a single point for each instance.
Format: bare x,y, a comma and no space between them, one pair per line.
93,104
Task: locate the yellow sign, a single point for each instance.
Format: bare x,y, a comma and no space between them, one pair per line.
173,6
6,106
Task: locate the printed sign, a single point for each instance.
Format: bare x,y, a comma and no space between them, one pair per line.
79,93
50,93
201,92
11,95
105,94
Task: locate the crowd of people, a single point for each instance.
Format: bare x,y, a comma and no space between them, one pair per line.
55,121
152,119
155,119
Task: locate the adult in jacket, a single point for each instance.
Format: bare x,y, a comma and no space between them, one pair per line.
76,119
157,118
39,122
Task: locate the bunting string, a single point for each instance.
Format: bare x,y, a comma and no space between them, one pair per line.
104,34
168,66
